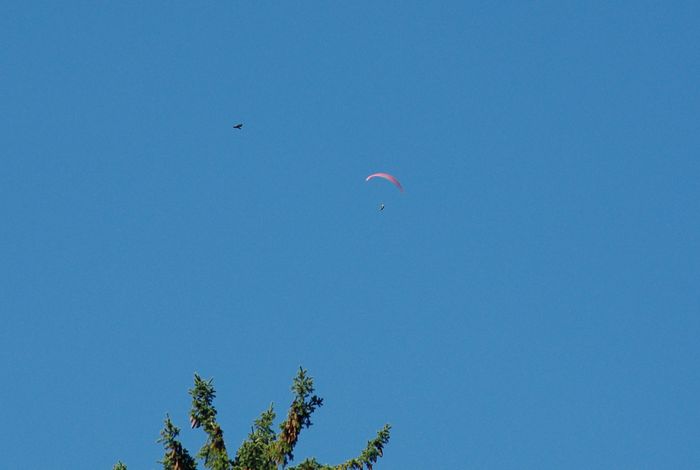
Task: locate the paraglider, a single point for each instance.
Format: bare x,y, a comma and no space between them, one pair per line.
387,177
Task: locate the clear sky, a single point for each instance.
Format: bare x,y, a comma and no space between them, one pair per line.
530,301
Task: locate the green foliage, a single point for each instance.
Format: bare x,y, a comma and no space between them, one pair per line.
368,457
312,464
256,450
298,417
263,449
203,414
176,457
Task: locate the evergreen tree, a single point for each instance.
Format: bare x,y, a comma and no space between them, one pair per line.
176,457
263,449
203,414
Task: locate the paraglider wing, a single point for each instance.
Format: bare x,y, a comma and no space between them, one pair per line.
386,176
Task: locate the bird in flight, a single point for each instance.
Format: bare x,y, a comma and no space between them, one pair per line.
238,126
381,206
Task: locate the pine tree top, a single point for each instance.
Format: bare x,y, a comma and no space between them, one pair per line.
263,449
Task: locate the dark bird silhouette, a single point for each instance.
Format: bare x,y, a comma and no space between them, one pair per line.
238,126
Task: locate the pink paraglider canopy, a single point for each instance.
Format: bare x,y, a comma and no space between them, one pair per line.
386,176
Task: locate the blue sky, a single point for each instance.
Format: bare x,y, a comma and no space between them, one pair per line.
530,301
